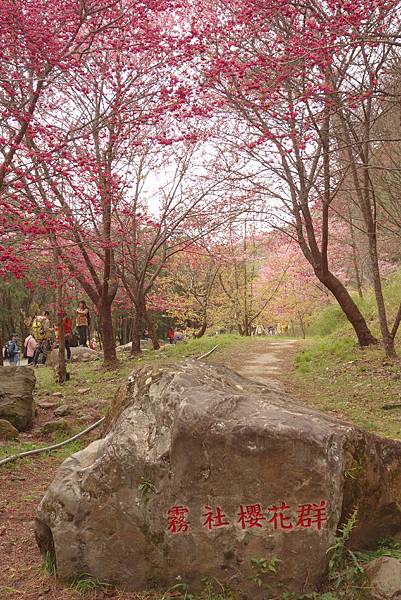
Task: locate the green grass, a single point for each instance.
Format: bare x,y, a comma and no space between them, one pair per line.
331,320
334,375
62,453
192,348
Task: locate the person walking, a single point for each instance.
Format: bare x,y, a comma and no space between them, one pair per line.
30,345
82,322
67,326
41,332
170,335
13,350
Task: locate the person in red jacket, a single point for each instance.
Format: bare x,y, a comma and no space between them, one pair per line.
67,326
170,335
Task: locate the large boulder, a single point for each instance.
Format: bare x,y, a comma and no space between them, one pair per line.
16,396
202,473
78,354
385,578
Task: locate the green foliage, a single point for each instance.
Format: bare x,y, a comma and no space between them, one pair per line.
48,563
329,320
145,487
85,584
213,589
263,567
197,347
345,568
338,552
386,547
324,350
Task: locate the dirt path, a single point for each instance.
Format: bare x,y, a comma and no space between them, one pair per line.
267,361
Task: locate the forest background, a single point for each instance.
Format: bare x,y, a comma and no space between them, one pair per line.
214,166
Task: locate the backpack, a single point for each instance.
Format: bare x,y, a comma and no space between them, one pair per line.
38,330
6,355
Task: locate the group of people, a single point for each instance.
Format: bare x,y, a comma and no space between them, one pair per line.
40,341
174,336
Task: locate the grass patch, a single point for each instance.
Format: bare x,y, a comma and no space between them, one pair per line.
334,375
193,348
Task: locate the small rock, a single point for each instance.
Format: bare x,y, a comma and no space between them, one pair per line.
385,578
62,411
47,405
83,390
57,394
58,426
7,431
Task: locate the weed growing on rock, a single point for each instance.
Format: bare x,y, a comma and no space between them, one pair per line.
263,567
145,487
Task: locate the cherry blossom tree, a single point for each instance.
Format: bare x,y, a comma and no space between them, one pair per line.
275,67
73,174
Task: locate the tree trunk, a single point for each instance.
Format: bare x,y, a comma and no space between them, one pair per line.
99,334
202,330
357,273
62,370
1,345
136,329
107,334
388,340
350,309
152,330
301,322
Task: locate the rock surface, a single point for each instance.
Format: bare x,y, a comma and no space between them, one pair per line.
385,578
46,405
78,354
190,479
16,396
62,411
7,431
82,354
57,426
145,345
